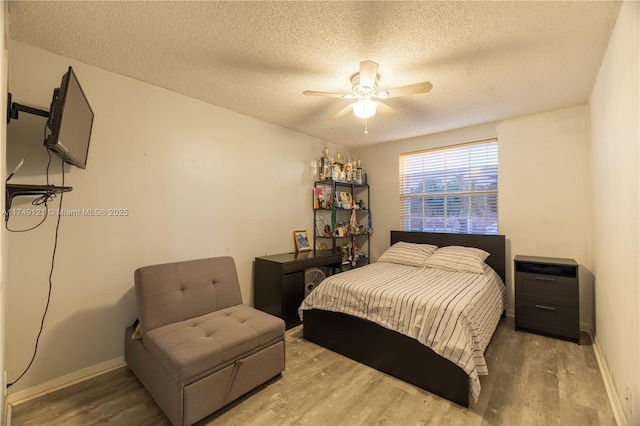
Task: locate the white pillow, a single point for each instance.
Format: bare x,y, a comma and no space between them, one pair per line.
410,254
458,258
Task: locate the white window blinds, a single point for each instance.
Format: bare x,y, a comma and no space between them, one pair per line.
452,189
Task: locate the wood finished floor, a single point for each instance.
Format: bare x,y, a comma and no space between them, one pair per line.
533,380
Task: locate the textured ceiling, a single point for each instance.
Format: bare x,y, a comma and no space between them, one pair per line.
487,61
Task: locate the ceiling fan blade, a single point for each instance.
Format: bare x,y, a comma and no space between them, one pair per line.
368,72
344,111
386,110
328,94
411,89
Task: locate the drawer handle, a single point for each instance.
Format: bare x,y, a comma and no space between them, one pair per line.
546,279
546,308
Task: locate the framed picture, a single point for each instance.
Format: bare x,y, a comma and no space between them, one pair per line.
345,198
302,241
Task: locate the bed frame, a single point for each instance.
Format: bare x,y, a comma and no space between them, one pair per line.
394,353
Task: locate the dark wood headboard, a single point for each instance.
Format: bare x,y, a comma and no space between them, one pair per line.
494,244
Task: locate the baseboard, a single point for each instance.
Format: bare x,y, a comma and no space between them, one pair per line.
616,406
63,382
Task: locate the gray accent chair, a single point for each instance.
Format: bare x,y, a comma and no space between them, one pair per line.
198,347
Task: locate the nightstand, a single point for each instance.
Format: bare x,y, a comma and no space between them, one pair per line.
279,281
547,296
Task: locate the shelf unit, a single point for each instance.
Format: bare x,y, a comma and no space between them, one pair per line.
342,220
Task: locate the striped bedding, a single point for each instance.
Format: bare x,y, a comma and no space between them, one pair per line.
453,313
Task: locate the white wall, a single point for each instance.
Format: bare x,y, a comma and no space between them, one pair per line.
543,198
197,181
4,30
543,201
615,191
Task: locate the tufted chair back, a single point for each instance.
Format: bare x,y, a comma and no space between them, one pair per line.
174,292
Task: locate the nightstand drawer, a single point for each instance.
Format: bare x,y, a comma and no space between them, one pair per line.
547,318
549,289
554,269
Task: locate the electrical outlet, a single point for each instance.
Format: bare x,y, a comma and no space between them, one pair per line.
629,400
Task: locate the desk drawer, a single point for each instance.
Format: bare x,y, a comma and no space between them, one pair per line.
289,268
323,261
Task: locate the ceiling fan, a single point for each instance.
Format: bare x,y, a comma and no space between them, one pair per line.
365,89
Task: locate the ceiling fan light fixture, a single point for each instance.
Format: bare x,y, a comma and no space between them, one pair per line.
365,108
364,88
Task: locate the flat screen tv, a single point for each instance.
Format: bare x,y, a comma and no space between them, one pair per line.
70,122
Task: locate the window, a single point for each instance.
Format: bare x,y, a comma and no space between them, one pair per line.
453,189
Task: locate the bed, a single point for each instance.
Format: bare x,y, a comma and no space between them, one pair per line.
399,354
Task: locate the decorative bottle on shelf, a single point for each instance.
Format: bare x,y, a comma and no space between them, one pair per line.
325,165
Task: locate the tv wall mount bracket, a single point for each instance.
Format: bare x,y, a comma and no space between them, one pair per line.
14,108
16,190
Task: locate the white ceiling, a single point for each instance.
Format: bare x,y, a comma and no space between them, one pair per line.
487,61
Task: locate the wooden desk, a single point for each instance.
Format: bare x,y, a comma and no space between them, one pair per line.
279,281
